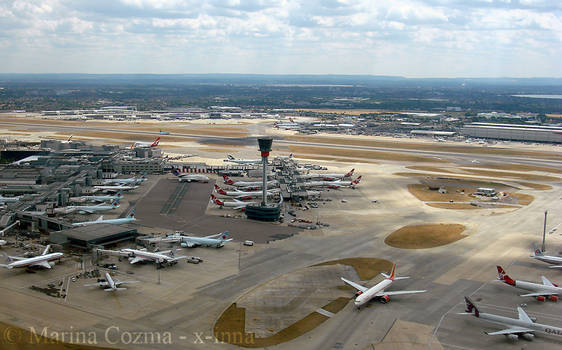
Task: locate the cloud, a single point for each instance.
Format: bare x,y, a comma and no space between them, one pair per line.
281,36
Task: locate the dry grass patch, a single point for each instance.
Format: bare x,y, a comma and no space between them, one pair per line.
517,167
336,305
510,175
129,136
425,236
457,206
366,268
334,159
522,198
536,186
378,155
423,193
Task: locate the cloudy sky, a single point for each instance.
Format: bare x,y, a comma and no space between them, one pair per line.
413,38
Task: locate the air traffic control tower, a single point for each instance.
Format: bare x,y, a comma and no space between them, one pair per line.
264,211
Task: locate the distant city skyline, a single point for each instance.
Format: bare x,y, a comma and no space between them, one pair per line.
430,38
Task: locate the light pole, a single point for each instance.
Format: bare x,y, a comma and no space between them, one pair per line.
544,232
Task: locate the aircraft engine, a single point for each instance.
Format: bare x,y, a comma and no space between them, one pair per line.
385,299
51,263
541,298
553,298
358,293
528,336
183,245
512,337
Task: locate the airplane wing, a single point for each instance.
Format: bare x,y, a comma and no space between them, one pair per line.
546,282
89,211
213,236
555,267
44,264
240,207
179,258
395,278
16,258
523,315
97,284
538,294
190,243
136,259
118,283
513,330
399,292
355,285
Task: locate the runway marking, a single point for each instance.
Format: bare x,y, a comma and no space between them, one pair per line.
325,313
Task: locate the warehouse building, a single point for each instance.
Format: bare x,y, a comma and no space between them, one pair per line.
93,235
514,132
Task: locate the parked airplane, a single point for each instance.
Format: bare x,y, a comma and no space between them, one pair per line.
523,326
100,220
364,294
217,240
555,260
231,159
116,188
44,260
291,125
326,177
128,181
236,204
253,184
244,195
90,209
146,144
190,177
3,242
101,198
333,184
136,256
9,199
540,291
109,284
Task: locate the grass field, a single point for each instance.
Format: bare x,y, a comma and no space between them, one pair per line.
425,236
487,173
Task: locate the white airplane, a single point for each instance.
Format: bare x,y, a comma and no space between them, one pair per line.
245,195
100,220
231,159
333,184
555,260
190,177
364,294
9,199
523,326
101,198
236,204
146,144
116,188
90,209
3,242
136,256
109,284
291,125
44,260
128,181
540,291
326,177
246,184
217,240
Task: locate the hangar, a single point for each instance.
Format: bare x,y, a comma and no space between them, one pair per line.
93,235
516,132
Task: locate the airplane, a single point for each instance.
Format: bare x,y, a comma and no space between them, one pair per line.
43,260
116,188
101,198
146,144
90,209
189,177
231,159
244,195
237,205
364,294
253,184
131,180
524,326
291,125
217,240
100,220
555,260
9,199
333,184
326,177
136,256
111,284
69,140
3,242
540,291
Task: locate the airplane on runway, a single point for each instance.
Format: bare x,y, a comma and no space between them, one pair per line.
244,195
146,144
128,181
326,177
115,188
291,125
217,240
364,294
102,198
253,184
555,260
44,260
90,209
237,205
540,291
9,199
523,327
190,177
100,220
231,159
109,284
333,184
136,256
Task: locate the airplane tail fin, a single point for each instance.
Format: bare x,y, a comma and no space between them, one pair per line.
69,139
291,156
502,276
224,236
537,252
220,190
100,218
471,307
393,273
115,204
175,171
119,194
131,214
227,180
156,142
356,181
132,145
216,201
47,248
291,120
349,174
7,257
230,157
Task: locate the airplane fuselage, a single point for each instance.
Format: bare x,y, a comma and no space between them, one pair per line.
508,321
34,260
372,292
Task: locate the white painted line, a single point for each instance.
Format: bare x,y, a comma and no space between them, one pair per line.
325,313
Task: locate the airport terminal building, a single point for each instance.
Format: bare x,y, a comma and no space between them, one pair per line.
514,132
